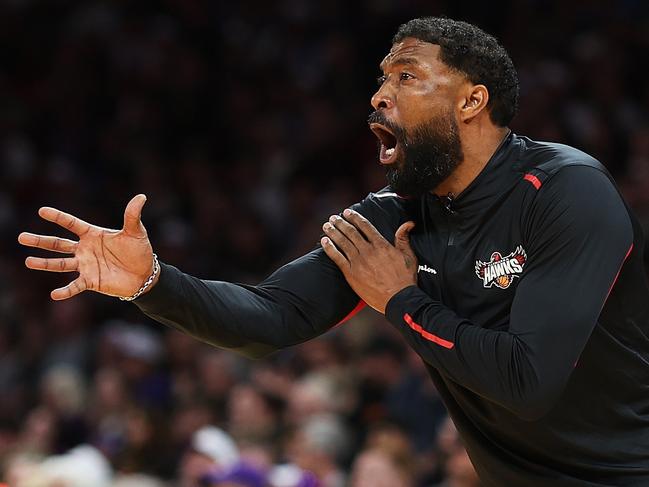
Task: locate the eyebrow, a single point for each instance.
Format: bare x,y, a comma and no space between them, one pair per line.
401,61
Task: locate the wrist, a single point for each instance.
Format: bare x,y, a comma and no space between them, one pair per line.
148,283
395,304
156,278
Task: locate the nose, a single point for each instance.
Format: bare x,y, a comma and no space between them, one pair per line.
382,98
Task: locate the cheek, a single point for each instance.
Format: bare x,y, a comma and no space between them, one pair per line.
414,109
426,98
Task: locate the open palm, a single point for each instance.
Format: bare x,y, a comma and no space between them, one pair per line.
112,262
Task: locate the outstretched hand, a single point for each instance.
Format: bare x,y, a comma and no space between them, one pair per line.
375,269
112,262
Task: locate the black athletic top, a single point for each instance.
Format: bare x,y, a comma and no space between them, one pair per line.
531,312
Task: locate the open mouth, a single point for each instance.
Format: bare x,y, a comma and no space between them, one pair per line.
389,143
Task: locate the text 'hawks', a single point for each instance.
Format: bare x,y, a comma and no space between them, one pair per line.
500,270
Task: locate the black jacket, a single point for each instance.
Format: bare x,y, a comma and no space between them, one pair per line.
531,312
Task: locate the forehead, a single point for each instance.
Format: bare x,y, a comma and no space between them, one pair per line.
413,51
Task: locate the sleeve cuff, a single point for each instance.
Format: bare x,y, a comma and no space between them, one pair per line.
408,300
163,293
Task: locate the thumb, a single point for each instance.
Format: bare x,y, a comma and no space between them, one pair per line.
132,216
402,237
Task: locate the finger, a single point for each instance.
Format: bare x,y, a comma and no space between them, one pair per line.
72,223
133,216
68,264
402,236
339,240
349,231
75,287
366,228
54,244
334,254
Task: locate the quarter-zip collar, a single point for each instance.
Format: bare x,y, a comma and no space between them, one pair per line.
498,175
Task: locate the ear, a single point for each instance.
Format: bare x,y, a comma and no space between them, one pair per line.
474,101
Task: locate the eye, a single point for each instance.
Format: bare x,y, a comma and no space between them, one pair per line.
403,76
381,79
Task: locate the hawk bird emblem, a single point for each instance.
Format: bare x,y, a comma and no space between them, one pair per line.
501,271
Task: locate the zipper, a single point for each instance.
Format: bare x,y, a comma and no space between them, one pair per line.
450,213
451,231
440,209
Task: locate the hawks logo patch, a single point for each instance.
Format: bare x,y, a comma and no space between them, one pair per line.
500,270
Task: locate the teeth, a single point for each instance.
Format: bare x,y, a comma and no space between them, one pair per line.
389,152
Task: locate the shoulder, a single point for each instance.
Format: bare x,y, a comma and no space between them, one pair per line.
580,198
385,200
542,161
569,189
386,210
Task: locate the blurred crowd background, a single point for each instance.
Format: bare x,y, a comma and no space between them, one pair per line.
244,123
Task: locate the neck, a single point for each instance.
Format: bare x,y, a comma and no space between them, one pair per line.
476,157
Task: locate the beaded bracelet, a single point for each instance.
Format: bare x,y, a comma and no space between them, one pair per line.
147,283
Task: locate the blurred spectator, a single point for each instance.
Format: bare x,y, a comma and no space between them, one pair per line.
63,393
144,443
320,445
460,471
82,466
454,463
252,414
217,373
320,392
188,419
387,461
107,410
19,468
211,453
39,432
137,351
69,341
375,468
395,386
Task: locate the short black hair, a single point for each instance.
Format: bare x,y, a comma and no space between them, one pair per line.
474,53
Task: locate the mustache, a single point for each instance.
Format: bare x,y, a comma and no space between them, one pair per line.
377,116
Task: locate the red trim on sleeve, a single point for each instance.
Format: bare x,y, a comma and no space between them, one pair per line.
536,182
352,313
618,272
428,336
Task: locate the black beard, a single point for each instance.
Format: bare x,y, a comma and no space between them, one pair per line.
428,154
